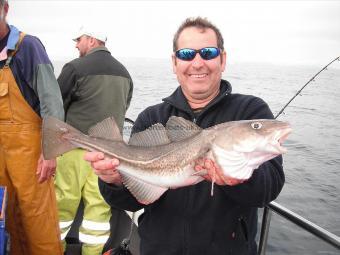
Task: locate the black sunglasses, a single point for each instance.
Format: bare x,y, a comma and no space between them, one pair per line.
206,53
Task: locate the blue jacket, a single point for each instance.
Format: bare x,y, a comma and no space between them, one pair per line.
33,73
188,220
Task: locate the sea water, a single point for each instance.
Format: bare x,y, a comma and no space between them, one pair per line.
312,164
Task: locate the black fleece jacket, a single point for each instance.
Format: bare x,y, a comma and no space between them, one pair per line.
188,220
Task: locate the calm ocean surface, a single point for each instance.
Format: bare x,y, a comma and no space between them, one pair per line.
312,164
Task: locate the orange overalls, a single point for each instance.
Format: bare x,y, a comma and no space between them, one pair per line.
31,216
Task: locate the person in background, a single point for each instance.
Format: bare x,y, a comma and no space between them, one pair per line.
94,86
28,92
188,220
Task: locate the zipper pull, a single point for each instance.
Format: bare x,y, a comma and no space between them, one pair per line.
194,120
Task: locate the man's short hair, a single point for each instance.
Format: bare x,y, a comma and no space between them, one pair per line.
201,23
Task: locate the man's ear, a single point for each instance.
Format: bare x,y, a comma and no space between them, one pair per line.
93,41
174,63
6,7
223,60
4,11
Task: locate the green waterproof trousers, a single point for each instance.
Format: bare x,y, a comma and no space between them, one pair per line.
75,180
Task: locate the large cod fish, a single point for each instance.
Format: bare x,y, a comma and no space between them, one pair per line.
161,157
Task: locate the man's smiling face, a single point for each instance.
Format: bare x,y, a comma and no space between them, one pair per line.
199,78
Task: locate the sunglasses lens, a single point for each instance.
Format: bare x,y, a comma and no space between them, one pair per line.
186,54
205,53
209,53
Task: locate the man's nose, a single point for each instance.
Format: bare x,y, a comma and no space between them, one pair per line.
197,62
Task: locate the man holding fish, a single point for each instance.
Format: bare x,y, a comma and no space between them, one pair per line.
186,219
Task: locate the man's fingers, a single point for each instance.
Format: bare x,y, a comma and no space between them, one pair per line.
104,168
208,164
42,176
105,164
215,173
46,174
93,156
46,168
213,170
99,162
115,162
109,176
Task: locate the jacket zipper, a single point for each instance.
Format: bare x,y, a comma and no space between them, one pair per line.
188,210
190,112
203,112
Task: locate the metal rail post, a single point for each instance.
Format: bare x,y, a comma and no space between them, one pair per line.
267,215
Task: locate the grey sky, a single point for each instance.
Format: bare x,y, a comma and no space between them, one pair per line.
282,32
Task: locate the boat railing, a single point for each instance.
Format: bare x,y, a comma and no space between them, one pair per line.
309,226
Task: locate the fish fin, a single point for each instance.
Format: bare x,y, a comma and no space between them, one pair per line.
154,135
179,128
144,192
53,143
106,129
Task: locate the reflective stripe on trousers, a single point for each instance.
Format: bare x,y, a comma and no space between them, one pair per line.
87,226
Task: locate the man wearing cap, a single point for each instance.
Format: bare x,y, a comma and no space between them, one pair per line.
94,86
28,92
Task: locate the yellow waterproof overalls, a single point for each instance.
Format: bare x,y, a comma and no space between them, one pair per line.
31,217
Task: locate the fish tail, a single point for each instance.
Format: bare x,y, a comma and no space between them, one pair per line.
53,141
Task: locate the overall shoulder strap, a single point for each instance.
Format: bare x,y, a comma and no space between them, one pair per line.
12,53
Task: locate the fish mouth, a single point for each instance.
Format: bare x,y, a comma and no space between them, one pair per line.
279,138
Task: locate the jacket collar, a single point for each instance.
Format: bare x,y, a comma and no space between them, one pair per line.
178,100
12,41
13,38
100,48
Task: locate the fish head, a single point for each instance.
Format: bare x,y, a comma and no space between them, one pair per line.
240,147
261,136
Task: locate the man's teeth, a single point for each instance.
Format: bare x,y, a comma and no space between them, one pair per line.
198,75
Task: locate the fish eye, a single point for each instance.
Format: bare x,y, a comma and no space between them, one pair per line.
256,125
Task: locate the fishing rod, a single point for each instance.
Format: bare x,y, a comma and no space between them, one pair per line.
312,79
